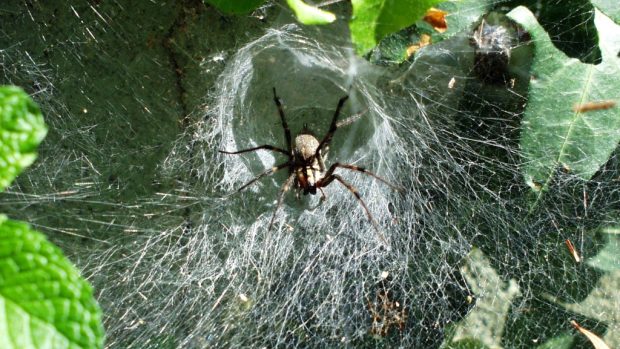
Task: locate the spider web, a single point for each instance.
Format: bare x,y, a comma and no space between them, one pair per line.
130,185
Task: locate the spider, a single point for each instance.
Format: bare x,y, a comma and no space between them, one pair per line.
306,162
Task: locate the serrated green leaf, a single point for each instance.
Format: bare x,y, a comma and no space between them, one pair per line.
310,15
611,8
374,19
21,130
236,6
44,303
554,134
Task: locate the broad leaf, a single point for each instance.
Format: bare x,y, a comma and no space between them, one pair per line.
236,6
555,134
374,19
484,324
610,8
462,14
607,259
21,130
569,23
44,303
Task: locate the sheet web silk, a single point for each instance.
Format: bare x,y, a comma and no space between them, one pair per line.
192,263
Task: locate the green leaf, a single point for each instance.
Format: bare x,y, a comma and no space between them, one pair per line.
235,6
609,8
374,19
562,341
553,134
44,303
462,14
310,15
484,324
469,343
608,259
21,130
570,25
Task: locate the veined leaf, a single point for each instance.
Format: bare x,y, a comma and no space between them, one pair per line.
21,130
374,19
555,132
44,303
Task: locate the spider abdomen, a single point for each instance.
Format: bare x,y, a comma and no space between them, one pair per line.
305,146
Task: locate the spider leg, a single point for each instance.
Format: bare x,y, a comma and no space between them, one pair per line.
323,196
266,146
357,196
287,131
332,128
333,167
266,173
283,191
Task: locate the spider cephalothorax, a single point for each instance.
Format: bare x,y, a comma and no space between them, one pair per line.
306,166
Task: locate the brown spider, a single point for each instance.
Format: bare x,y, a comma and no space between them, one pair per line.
306,164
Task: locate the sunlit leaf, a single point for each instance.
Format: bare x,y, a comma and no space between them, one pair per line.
21,130
554,135
374,19
307,14
610,8
44,303
608,259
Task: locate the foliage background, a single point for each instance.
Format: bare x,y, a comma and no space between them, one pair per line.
138,98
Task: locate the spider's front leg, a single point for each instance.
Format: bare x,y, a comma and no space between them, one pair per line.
323,196
332,127
287,131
